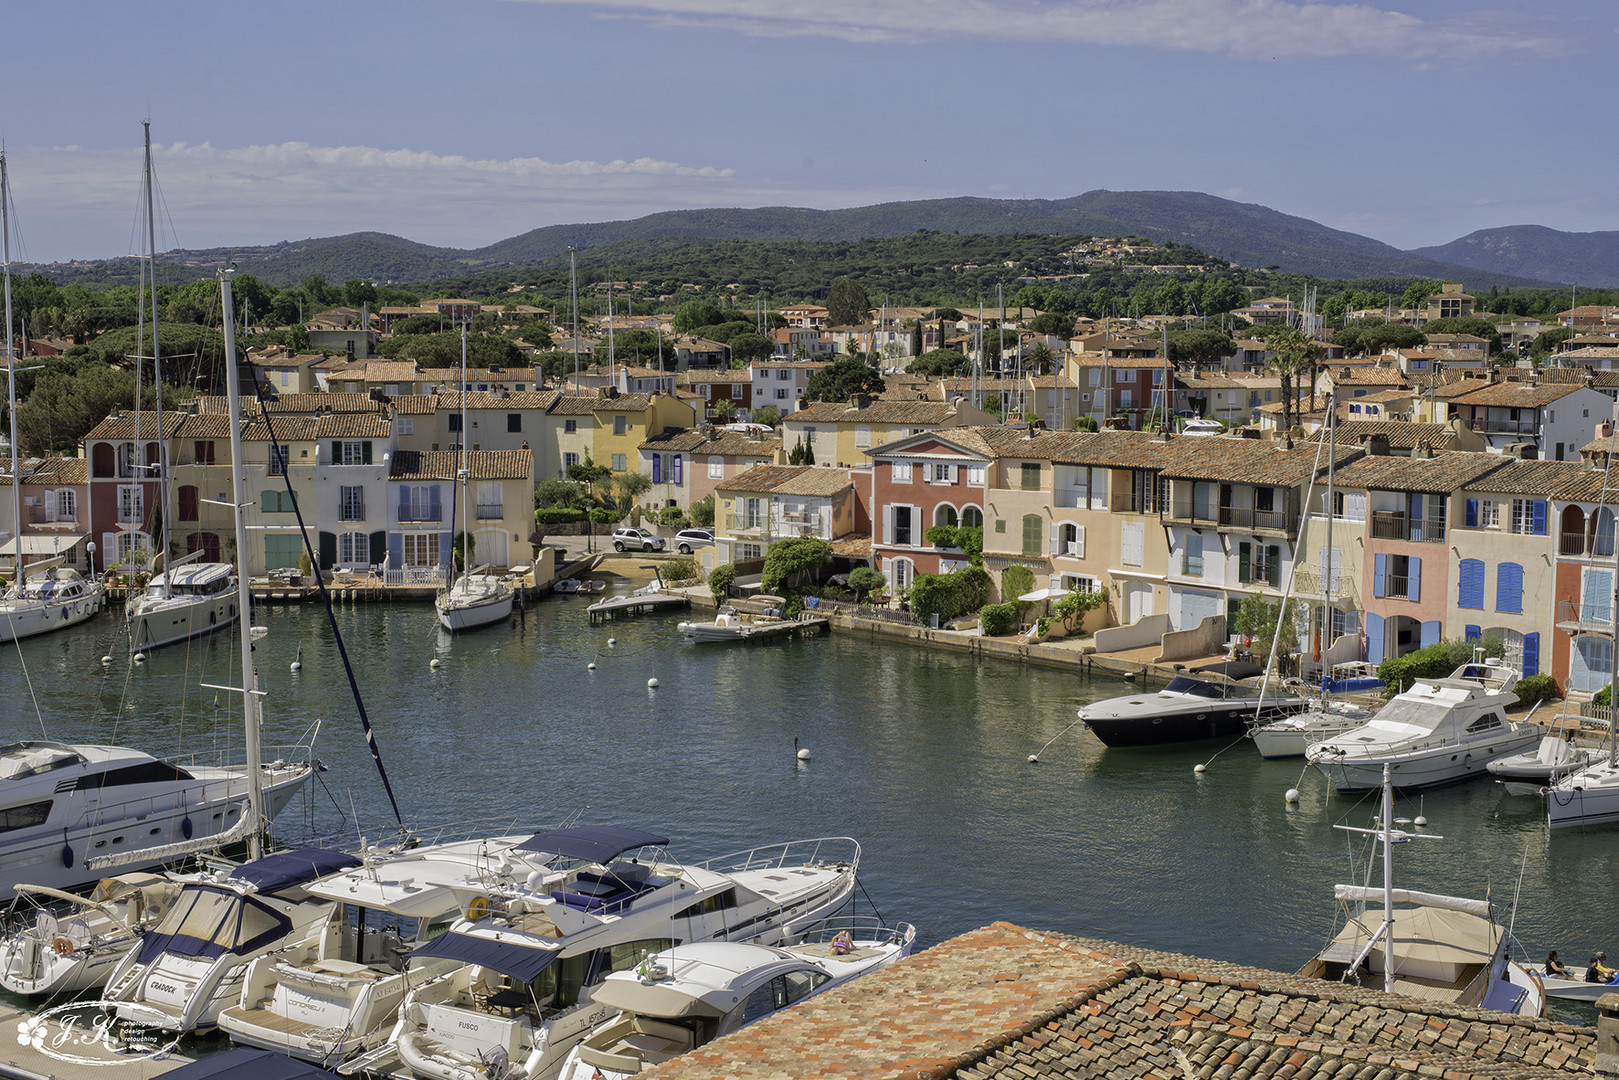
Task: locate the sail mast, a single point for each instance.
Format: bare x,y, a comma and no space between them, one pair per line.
251,716
11,375
160,541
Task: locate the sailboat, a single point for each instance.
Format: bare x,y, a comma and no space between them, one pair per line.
1590,796
76,810
475,597
188,596
48,595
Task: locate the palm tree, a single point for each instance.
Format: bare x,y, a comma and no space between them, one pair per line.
1292,354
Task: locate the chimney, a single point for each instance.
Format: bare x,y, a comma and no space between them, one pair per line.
1377,446
860,401
1604,429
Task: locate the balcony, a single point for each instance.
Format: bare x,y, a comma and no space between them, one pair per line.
1489,425
1245,517
1394,525
1576,617
1311,581
1397,587
130,515
744,525
420,513
352,511
1070,498
1581,543
1571,543
491,511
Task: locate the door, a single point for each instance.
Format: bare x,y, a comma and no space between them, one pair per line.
1137,601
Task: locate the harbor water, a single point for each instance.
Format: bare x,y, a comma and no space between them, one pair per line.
922,756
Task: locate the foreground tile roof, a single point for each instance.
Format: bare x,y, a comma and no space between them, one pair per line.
1441,474
1541,478
721,441
1005,1003
441,465
789,480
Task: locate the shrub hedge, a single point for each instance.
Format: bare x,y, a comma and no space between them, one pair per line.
998,619
949,595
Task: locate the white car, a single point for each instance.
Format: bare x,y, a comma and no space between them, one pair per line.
639,539
688,540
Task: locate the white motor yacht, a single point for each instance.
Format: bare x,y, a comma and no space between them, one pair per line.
74,950
1190,709
191,964
688,996
1438,731
1291,736
185,600
48,598
530,957
337,992
68,804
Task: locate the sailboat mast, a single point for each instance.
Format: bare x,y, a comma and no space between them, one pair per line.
11,375
1329,586
161,541
1388,880
573,290
251,715
461,470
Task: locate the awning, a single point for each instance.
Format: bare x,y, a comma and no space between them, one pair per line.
1231,669
1042,594
523,963
592,843
287,868
37,544
243,1063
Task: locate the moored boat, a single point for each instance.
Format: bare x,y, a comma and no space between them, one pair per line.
1189,709
1554,756
1291,736
72,950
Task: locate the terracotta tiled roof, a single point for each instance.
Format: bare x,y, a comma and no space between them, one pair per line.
1249,461
1401,435
623,403
125,425
205,426
391,371
450,400
789,480
878,412
352,426
1518,477
728,375
852,546
480,465
414,404
1515,395
570,405
296,403
62,470
722,442
1591,485
288,429
1005,1002
1441,474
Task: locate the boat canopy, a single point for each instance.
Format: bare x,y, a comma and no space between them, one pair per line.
285,869
591,843
245,1063
520,962
208,921
1231,669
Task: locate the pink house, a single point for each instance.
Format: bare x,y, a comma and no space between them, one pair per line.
933,478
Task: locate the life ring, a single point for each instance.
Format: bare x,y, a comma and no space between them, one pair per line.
63,945
478,908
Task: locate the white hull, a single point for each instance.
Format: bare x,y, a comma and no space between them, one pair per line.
1575,990
1424,768
455,615
158,621
1587,797
24,618
1296,734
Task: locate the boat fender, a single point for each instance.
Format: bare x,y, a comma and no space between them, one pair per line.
478,908
62,945
186,827
67,856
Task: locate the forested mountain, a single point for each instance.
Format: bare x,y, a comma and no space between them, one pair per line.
1535,251
1245,233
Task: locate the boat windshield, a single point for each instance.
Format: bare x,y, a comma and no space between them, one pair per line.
209,922
1183,684
1418,714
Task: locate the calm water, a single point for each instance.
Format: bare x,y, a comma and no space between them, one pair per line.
921,757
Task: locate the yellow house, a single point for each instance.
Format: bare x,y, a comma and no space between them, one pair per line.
624,421
840,433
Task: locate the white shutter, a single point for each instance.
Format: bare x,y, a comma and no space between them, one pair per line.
1098,489
1055,581
1131,537
1355,506
888,525
951,475
1079,542
1054,549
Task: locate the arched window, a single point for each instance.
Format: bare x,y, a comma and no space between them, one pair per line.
945,514
972,517
900,572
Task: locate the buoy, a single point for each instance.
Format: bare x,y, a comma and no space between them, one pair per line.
1199,768
1292,795
612,641
107,659
297,664
435,663
1034,759
802,755
652,684
591,666
140,658
1421,818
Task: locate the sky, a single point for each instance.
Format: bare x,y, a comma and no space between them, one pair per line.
460,124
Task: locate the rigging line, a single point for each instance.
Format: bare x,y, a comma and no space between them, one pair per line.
1292,574
862,886
325,595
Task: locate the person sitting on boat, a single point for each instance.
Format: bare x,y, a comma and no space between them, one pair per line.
1555,966
1593,972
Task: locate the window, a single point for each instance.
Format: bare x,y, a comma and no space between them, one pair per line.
455,422
862,435
129,503
945,514
781,394
677,465
405,425
972,517
1192,555
490,500
514,421
619,463
1031,476
419,502
621,424
784,374
569,461
1529,516
352,452
67,505
203,450
1399,577
353,549
901,518
276,501
1590,667
1033,535
570,426
25,816
900,473
975,476
278,461
1261,564
351,503
716,468
421,549
1489,515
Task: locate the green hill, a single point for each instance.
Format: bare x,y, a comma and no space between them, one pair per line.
1590,258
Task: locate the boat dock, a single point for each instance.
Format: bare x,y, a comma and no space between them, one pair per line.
638,603
46,1049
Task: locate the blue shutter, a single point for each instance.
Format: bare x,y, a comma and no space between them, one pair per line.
1471,633
1379,572
1472,513
680,470
1470,584
1596,602
657,468
1509,587
1430,633
1374,638
404,502
1413,588
396,550
433,503
1531,653
1540,517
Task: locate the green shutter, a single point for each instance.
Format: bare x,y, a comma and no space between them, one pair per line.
1273,566
1244,561
379,546
366,452
337,454
328,550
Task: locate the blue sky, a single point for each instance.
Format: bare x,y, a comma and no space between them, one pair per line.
458,124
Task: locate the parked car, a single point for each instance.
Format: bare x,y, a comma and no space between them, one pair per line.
639,539
686,540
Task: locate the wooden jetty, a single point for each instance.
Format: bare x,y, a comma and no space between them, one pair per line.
636,603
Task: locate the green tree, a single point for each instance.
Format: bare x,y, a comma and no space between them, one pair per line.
1549,341
702,511
560,493
789,562
1292,355
1041,358
1016,580
720,580
725,410
1073,606
864,581
629,487
751,346
1085,423
298,337
937,362
1417,293
466,547
847,303
842,379
355,292
1053,324
1193,345
694,315
1256,621
768,415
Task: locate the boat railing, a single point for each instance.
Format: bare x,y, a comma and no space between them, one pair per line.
862,928
825,851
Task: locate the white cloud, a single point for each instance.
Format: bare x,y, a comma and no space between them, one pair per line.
1246,29
80,202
